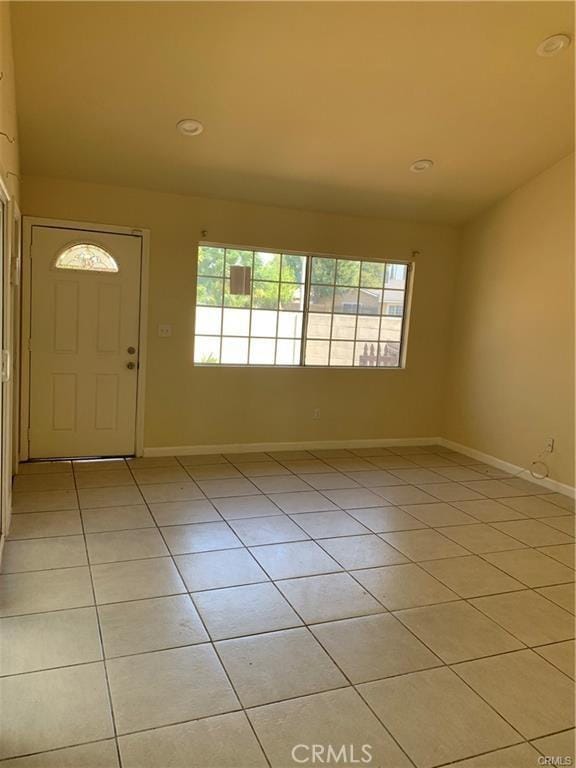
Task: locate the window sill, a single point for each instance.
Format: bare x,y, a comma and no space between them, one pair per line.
302,367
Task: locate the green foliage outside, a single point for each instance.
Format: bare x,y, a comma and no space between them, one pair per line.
347,273
278,279
268,269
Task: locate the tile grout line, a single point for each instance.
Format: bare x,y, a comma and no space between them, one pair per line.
317,540
291,516
448,666
310,626
419,639
199,719
211,642
369,532
306,627
329,656
100,634
457,597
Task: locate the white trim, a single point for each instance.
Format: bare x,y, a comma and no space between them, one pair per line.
5,400
513,469
16,286
296,252
28,222
25,302
506,466
194,450
143,342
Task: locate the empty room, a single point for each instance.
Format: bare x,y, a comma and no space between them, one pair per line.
287,384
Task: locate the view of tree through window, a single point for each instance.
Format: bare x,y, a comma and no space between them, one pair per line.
302,310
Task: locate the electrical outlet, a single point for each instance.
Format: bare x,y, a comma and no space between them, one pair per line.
316,413
165,330
549,445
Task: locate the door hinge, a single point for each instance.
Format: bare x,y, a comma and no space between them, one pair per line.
15,271
29,345
5,365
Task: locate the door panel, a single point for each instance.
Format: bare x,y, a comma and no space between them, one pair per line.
65,317
82,394
109,319
107,400
64,388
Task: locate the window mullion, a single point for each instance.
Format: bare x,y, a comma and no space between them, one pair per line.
332,314
306,309
381,315
277,311
251,310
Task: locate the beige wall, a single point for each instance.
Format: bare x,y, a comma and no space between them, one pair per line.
8,151
199,406
512,359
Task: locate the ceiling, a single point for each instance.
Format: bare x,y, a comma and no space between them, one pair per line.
313,105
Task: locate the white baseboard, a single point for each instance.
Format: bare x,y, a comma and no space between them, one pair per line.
311,445
506,466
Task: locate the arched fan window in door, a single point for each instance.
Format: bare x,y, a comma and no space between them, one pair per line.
86,257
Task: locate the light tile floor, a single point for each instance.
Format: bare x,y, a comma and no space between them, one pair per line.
218,611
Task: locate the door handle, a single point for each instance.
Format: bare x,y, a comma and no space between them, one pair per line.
131,365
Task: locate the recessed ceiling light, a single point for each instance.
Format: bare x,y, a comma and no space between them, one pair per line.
552,45
421,165
190,127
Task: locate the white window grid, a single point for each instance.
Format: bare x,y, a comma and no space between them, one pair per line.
389,267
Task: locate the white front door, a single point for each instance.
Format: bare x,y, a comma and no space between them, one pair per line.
85,320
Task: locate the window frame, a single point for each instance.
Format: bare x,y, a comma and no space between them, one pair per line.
307,285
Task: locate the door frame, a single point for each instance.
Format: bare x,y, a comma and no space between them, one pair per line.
28,222
15,330
5,441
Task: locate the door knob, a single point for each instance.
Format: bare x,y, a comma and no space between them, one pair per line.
131,365
131,350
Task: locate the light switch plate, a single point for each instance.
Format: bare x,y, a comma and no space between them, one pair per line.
165,330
